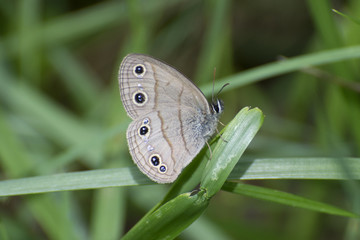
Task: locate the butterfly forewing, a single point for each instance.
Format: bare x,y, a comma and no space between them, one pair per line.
162,84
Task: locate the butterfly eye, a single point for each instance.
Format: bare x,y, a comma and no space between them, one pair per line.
139,70
215,107
139,98
155,160
218,107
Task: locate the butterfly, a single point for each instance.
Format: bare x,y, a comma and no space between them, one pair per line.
172,120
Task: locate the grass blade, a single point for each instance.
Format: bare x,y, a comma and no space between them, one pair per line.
284,198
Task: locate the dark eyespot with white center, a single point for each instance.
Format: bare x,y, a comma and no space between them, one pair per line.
155,160
144,131
162,169
139,70
140,98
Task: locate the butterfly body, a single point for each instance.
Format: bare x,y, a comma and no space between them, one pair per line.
172,119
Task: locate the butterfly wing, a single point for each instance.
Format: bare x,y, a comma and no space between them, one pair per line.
161,145
147,84
168,111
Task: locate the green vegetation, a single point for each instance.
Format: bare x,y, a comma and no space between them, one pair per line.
288,167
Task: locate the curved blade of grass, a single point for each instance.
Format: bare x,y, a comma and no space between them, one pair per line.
108,202
274,168
284,198
12,151
170,219
281,67
351,18
297,168
236,137
214,41
191,176
74,181
188,179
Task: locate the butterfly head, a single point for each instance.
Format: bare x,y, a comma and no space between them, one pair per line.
217,106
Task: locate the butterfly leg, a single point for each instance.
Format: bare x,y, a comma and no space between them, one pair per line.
209,149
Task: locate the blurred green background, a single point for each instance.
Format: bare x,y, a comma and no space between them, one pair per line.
58,90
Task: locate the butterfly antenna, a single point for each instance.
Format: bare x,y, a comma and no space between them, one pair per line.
222,89
209,150
213,90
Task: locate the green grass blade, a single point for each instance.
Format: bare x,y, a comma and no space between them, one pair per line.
74,181
13,157
53,219
325,23
284,198
80,79
237,136
3,232
188,179
351,18
282,67
108,202
205,228
171,219
297,168
27,20
214,40
269,168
